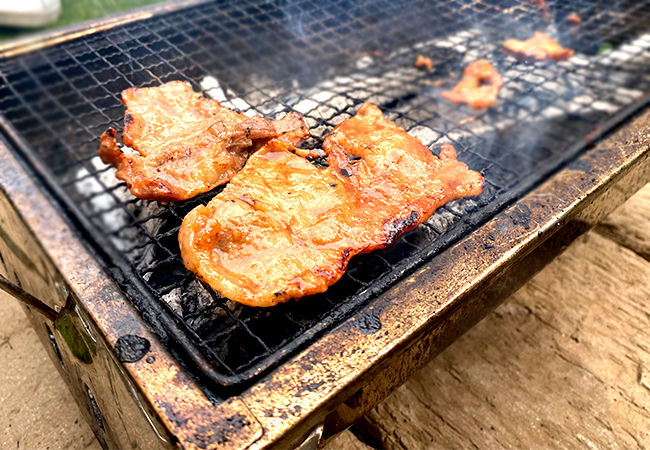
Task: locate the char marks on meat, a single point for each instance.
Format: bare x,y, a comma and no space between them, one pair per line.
284,228
538,48
186,143
479,86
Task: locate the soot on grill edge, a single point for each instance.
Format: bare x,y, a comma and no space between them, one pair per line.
323,60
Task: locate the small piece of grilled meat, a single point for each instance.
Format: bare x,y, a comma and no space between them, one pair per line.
423,62
479,86
538,48
187,143
574,18
284,228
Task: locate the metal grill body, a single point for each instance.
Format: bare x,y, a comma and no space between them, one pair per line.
324,60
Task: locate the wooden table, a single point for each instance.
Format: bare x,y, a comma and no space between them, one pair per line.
563,363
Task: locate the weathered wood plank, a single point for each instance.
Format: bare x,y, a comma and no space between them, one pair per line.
564,363
629,225
346,441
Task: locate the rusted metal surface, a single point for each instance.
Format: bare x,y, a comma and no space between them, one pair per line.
150,403
137,240
376,349
71,338
141,396
428,311
452,324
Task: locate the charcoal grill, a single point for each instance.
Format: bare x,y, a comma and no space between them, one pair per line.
159,360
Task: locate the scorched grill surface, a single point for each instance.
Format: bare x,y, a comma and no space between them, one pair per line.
322,59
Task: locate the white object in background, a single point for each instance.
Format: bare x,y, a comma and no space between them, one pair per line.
29,13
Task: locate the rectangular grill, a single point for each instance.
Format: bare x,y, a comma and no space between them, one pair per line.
323,60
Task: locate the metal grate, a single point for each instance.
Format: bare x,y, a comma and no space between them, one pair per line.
322,59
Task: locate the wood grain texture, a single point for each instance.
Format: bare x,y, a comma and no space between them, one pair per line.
629,225
564,363
346,441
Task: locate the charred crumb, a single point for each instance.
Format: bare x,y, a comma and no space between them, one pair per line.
369,324
521,216
346,172
131,348
324,273
395,229
333,185
319,162
352,157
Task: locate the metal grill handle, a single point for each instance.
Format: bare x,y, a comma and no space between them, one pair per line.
25,297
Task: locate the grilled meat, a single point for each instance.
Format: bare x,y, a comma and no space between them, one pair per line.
479,86
284,228
538,48
574,18
424,62
187,144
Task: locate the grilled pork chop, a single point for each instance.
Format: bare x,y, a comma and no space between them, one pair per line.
187,143
284,228
538,48
479,87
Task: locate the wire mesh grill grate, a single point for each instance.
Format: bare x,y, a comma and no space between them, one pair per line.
322,59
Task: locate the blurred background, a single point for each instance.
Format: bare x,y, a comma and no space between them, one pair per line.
23,17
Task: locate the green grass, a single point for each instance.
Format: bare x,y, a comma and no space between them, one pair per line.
74,11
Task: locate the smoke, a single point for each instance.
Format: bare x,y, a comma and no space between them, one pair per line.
295,18
540,106
113,210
